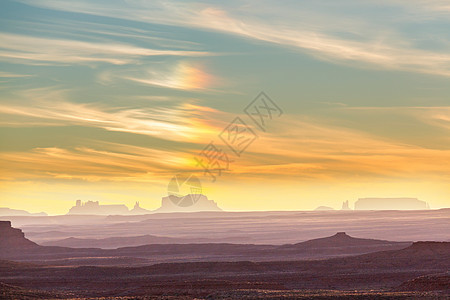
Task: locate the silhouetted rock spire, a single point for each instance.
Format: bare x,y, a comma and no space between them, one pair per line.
345,205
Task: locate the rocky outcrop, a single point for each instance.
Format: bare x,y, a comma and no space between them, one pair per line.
345,205
13,238
138,210
433,282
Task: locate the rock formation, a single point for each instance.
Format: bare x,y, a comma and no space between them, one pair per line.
345,206
343,239
137,210
94,208
390,204
188,203
13,239
431,282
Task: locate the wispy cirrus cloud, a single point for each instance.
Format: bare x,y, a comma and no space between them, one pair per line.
360,43
102,161
181,122
30,49
102,32
300,147
437,6
12,75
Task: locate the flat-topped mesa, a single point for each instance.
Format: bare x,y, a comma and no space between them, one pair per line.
13,238
390,204
187,203
95,208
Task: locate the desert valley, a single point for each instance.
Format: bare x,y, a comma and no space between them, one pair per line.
222,255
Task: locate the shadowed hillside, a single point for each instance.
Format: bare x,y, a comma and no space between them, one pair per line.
334,246
382,271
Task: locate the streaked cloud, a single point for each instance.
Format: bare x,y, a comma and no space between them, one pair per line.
438,6
177,123
312,150
12,75
386,51
306,150
116,162
301,146
29,49
437,116
383,48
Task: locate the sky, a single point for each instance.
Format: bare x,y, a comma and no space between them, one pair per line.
109,100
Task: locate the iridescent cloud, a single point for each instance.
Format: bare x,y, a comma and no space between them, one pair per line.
183,76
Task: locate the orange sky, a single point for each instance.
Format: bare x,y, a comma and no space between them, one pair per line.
108,102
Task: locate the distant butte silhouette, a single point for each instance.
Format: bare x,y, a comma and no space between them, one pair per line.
168,205
202,204
94,208
322,208
137,210
390,204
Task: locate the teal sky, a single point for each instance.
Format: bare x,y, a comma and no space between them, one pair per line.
106,100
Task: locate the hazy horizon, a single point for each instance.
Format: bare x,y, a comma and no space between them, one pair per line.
318,208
